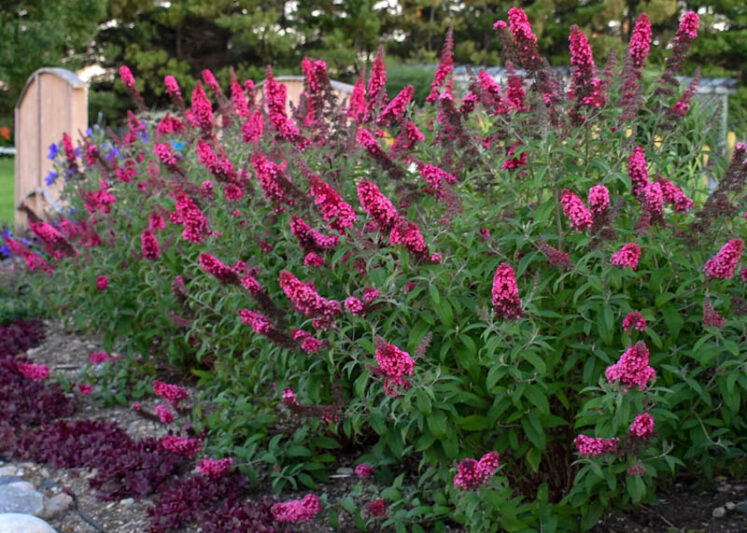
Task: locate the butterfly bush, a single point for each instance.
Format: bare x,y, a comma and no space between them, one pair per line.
417,285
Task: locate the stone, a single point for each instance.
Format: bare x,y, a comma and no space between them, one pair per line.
17,523
345,471
719,512
7,470
23,485
730,506
17,498
5,480
56,505
742,508
126,502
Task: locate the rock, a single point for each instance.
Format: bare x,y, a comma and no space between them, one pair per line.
7,470
742,508
17,523
344,471
17,498
724,488
23,485
730,506
719,512
56,505
126,502
5,480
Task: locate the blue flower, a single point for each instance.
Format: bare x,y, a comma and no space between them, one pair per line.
53,150
51,177
89,132
178,146
5,250
7,233
143,135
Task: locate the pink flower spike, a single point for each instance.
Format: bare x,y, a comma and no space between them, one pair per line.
182,445
505,293
363,470
164,414
35,372
642,427
97,358
174,394
632,369
302,510
593,446
215,468
634,320
575,210
627,257
724,263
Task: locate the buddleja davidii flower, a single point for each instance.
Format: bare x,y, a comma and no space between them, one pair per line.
239,103
505,293
182,445
686,34
376,90
627,256
378,206
680,108
277,187
174,394
408,234
357,104
637,170
525,40
262,325
408,136
215,468
586,88
710,316
394,364
173,90
275,97
553,255
54,242
149,246
515,92
334,209
634,320
472,474
307,300
594,446
444,69
489,93
638,48
165,154
192,219
33,261
125,74
632,369
201,113
395,110
253,128
368,142
218,269
303,510
575,210
673,195
218,163
724,263
642,427
311,240
32,371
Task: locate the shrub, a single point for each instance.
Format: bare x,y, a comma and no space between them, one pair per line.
520,272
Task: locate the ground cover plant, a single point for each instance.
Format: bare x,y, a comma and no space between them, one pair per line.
517,306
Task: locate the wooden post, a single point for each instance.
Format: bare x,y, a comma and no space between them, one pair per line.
53,101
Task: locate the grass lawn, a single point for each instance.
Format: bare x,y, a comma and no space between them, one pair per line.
7,183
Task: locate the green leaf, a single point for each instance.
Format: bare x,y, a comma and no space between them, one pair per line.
534,431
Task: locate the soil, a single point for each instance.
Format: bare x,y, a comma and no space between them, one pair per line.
687,508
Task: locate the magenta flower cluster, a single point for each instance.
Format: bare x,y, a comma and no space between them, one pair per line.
593,446
632,369
394,364
724,263
472,474
505,293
